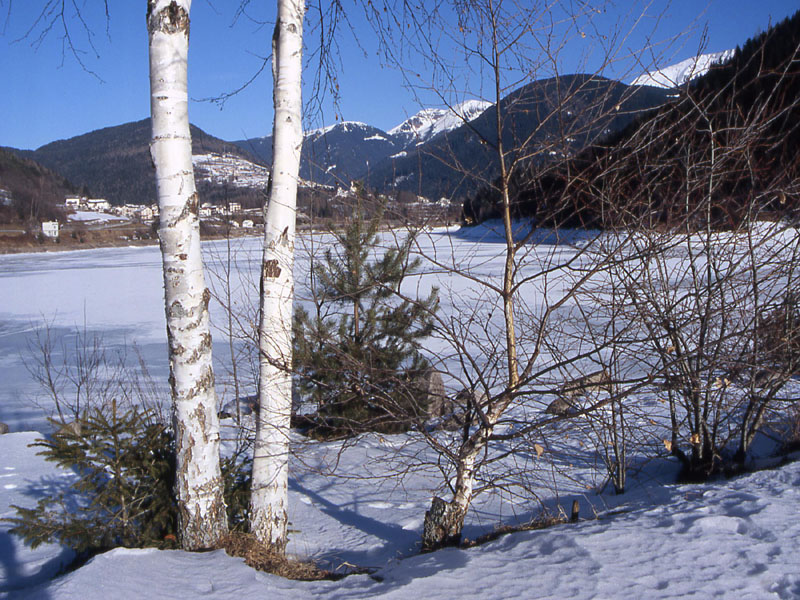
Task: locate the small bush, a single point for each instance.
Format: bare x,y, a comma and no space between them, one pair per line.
124,491
122,496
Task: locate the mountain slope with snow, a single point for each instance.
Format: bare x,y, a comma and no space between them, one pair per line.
456,160
430,122
686,70
339,153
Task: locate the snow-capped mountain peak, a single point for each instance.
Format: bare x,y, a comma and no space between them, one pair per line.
344,126
686,70
464,112
430,122
421,121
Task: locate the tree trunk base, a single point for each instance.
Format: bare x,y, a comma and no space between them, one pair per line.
443,524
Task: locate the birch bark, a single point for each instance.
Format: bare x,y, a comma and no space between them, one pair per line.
269,492
201,508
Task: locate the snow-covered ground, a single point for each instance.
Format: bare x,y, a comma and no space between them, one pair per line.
729,539
230,169
363,503
88,216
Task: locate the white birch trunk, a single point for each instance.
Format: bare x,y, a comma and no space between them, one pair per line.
202,518
445,520
269,493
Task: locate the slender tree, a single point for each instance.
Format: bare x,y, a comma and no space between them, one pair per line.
202,519
271,453
506,356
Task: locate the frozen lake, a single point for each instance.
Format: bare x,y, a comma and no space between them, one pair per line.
369,511
115,295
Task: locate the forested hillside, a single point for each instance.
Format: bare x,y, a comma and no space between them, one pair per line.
727,142
29,190
114,163
545,118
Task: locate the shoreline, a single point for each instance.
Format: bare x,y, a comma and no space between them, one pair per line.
73,246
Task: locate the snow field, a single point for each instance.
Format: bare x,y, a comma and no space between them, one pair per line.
362,503
736,538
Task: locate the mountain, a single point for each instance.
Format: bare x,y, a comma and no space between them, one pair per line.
720,153
346,151
416,129
336,154
114,163
543,119
678,74
430,122
332,155
420,154
416,155
343,152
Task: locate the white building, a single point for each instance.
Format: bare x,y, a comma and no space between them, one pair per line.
128,210
98,204
147,213
73,201
50,229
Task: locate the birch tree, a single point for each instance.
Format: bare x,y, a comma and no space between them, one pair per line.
271,450
506,336
201,508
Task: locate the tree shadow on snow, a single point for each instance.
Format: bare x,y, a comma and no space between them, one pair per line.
398,542
14,578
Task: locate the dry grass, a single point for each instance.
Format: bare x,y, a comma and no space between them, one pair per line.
262,558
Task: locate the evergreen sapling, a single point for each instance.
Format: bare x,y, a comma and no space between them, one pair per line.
357,356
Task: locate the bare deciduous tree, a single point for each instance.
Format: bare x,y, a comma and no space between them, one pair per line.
512,45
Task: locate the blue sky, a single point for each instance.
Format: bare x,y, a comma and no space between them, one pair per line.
48,96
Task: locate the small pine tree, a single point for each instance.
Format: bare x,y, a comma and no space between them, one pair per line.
122,496
357,357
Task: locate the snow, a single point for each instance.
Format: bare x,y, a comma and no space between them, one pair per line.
727,538
452,119
423,120
25,477
737,538
87,216
230,169
431,122
343,126
686,70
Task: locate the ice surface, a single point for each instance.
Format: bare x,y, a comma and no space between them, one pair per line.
93,217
